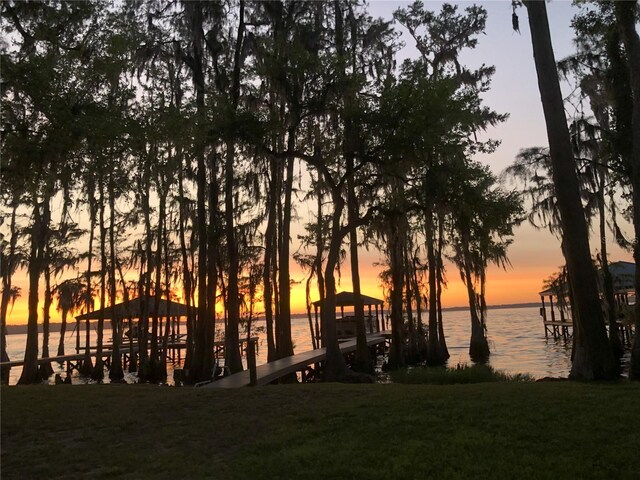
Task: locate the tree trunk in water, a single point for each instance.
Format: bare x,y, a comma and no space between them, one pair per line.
270,242
478,345
435,356
212,265
7,272
154,357
167,293
87,366
45,368
592,359
395,241
30,369
439,282
625,16
186,272
63,331
198,370
363,361
98,368
116,373
233,360
335,368
319,254
607,280
284,343
146,269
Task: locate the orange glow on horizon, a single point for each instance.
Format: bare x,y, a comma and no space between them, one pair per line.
519,284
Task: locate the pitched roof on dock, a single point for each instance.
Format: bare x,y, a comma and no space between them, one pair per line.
623,274
133,309
347,299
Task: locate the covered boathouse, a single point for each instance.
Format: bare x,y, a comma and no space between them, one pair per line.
346,324
167,312
556,309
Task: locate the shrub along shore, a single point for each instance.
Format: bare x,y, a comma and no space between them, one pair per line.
487,430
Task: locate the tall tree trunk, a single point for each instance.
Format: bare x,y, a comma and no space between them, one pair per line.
397,350
395,241
284,342
212,264
45,368
478,345
592,359
270,245
186,271
146,269
154,357
233,358
607,279
232,350
626,18
167,293
439,281
319,255
435,356
115,372
63,331
98,369
363,361
335,368
7,272
198,370
87,365
30,368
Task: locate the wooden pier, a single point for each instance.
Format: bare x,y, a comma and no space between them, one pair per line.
558,330
267,373
74,360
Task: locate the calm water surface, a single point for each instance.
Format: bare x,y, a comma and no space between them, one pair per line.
516,338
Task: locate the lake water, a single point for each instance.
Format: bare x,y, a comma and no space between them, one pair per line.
516,337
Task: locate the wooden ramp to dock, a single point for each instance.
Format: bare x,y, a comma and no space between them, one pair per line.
271,371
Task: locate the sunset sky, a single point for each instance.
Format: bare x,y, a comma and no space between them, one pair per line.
534,254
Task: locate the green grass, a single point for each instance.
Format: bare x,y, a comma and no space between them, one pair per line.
323,431
460,374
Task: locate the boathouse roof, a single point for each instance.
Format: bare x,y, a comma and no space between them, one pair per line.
347,299
623,274
133,309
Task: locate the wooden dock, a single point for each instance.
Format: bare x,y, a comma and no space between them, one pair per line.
271,371
557,330
125,350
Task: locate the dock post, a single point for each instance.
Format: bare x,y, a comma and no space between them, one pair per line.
251,362
543,313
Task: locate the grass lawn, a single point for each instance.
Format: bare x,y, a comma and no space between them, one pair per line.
325,431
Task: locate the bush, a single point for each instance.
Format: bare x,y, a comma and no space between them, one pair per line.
458,375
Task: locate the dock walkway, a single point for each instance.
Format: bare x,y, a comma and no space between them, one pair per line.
125,349
271,371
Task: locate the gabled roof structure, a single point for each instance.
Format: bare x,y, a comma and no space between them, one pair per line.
133,309
347,299
623,274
